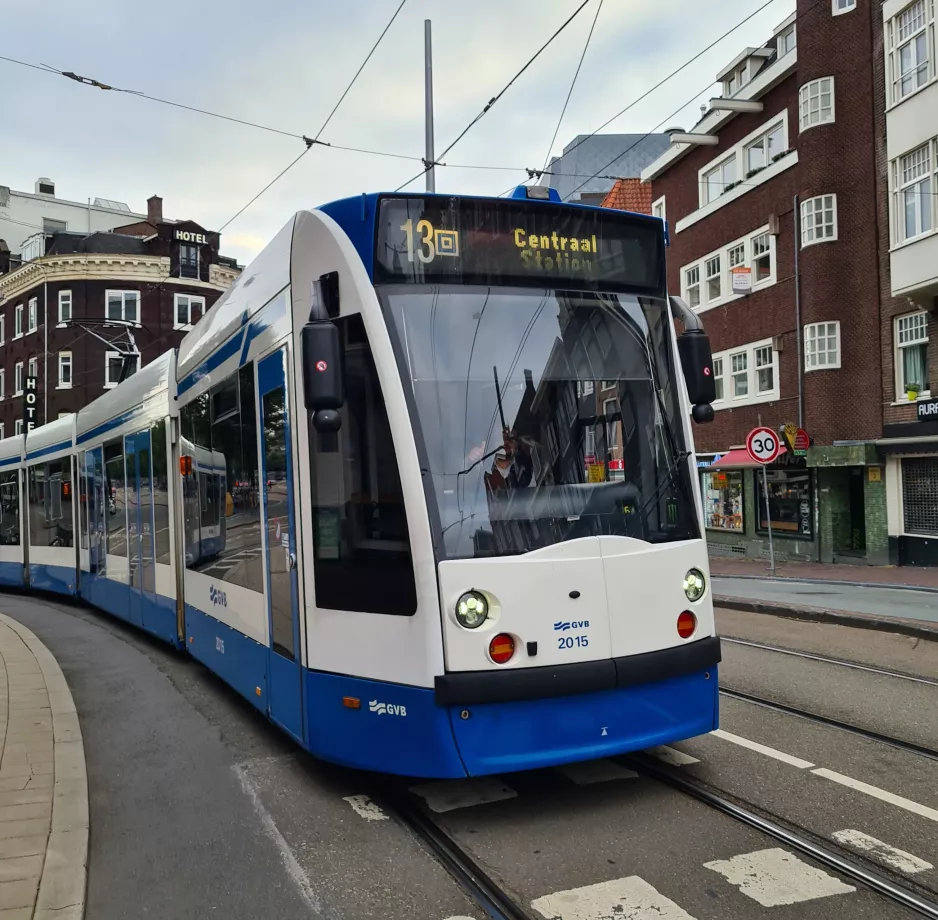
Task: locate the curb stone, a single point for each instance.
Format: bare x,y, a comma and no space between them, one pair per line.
919,629
63,883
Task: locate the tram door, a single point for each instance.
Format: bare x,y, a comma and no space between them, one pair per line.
94,503
285,696
140,526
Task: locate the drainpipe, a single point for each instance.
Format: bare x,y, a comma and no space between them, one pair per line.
798,341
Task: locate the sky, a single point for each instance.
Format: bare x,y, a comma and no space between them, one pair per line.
285,63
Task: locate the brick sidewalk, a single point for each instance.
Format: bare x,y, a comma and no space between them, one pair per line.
858,574
43,785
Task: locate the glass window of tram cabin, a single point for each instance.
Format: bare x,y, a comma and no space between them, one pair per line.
535,341
9,508
49,487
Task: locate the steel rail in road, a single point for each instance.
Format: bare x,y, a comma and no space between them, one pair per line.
870,878
838,661
867,733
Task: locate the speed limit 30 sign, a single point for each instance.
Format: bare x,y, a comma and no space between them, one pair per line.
763,445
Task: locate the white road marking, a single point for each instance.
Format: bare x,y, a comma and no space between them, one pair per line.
671,756
763,749
629,898
365,808
595,771
450,794
882,852
878,793
294,869
775,877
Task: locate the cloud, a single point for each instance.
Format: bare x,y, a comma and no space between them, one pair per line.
285,63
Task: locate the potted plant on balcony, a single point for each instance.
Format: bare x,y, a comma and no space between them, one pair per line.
912,390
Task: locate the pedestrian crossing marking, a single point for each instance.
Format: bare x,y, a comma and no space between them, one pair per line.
630,898
882,852
452,794
775,877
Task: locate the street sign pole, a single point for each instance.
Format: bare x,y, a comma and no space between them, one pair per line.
768,520
763,446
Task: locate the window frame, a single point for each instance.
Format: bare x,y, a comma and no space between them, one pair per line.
898,346
792,31
108,355
900,186
761,139
3,383
19,378
3,328
198,261
838,347
662,203
719,378
32,315
32,367
752,397
18,321
688,287
894,43
836,9
804,97
123,317
760,503
18,426
803,214
190,297
65,295
71,370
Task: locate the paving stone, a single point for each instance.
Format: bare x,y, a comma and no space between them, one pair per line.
18,868
24,828
25,812
18,894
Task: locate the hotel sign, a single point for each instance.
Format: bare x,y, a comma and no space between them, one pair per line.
186,236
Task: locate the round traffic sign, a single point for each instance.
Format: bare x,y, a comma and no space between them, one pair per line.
321,366
763,445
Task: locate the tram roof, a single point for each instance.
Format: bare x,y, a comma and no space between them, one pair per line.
51,438
11,449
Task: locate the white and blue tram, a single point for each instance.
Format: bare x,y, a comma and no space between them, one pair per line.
420,486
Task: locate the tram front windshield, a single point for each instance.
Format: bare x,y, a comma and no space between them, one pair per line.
545,415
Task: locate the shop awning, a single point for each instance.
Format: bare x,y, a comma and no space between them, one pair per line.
738,459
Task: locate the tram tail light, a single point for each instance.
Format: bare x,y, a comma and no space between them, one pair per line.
686,624
502,648
351,702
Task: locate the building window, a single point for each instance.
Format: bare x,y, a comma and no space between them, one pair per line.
692,286
821,346
722,494
914,198
18,379
123,305
658,209
818,220
714,279
908,38
18,322
65,306
842,6
786,41
33,367
53,226
716,180
920,496
18,426
610,411
188,311
188,260
736,255
761,258
816,103
113,361
1,431
912,353
718,378
740,364
761,151
33,311
3,384
765,369
3,329
791,503
65,369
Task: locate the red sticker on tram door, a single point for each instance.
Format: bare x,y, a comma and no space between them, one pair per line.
321,366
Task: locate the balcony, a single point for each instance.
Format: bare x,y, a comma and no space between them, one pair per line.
914,268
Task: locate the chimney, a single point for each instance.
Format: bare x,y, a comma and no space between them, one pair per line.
155,210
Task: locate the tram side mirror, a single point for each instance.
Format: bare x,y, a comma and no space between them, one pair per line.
697,364
323,390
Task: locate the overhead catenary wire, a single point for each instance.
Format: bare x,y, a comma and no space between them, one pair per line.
488,106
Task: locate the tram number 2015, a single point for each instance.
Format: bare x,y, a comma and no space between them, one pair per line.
565,642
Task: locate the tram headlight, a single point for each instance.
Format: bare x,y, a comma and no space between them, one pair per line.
472,610
695,585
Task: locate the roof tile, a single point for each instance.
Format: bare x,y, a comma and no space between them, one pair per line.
629,195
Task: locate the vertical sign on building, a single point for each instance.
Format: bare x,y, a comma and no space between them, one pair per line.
31,404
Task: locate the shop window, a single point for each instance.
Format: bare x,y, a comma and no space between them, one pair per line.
920,495
722,493
791,503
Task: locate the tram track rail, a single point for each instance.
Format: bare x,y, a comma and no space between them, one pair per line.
869,734
826,856
813,656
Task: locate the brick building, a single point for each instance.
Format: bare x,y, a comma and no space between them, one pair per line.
778,206
72,303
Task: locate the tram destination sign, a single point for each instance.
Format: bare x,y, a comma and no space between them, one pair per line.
451,240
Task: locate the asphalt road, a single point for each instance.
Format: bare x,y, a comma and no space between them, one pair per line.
885,602
200,809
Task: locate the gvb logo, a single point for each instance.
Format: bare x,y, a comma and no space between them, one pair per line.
217,598
386,709
564,625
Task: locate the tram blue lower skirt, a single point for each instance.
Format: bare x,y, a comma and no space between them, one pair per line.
152,612
11,574
58,578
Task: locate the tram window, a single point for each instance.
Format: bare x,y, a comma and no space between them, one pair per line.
115,497
361,541
160,493
84,482
9,509
221,495
50,503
